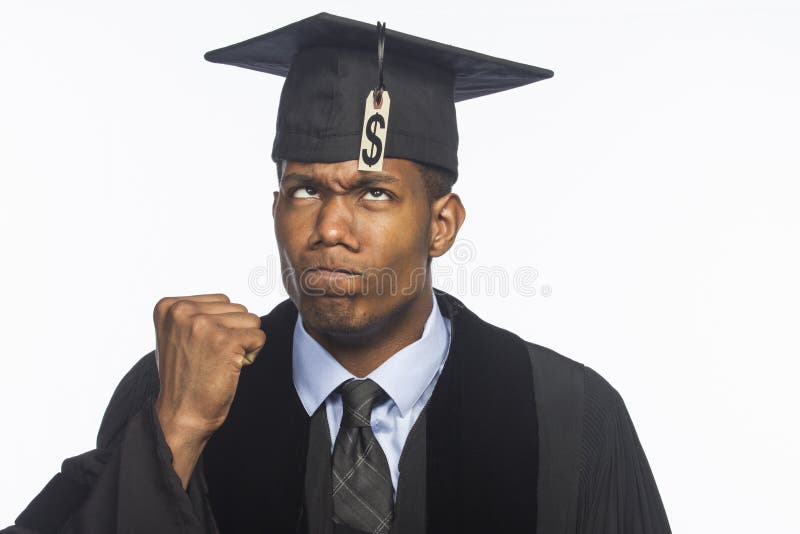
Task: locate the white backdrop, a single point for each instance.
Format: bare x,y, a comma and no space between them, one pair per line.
652,184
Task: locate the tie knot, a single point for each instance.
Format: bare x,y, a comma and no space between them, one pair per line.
358,397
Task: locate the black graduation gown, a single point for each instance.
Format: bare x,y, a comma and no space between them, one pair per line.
517,438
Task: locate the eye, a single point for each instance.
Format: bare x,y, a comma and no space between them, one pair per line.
304,192
377,194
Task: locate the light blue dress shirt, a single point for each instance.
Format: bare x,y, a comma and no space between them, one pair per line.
408,377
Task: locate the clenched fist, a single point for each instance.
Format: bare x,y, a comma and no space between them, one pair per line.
203,342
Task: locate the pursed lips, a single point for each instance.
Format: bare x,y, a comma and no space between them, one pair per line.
326,276
334,270
330,282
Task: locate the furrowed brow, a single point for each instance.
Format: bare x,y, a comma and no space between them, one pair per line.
367,181
360,183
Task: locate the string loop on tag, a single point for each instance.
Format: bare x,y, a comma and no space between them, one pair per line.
381,42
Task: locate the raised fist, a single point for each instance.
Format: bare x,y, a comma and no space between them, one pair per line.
203,341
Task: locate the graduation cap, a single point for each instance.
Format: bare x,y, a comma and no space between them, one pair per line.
357,91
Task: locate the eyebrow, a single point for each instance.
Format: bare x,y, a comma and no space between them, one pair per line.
363,181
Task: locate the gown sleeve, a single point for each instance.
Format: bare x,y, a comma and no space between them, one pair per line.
127,484
617,492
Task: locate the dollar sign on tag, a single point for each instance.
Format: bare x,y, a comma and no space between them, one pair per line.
376,150
373,135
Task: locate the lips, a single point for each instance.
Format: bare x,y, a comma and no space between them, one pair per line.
343,270
331,274
330,281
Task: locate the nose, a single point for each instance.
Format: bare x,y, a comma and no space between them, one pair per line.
334,224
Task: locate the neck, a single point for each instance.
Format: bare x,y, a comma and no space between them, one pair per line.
361,355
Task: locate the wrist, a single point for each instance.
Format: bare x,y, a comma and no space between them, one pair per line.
185,440
182,431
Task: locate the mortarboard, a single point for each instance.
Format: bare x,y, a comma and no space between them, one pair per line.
337,71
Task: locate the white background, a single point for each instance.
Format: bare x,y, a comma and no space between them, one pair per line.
653,184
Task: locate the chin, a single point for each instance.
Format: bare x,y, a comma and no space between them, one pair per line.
339,316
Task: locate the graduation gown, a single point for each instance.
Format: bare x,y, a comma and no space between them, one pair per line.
515,438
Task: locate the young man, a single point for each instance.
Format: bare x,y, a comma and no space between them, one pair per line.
368,401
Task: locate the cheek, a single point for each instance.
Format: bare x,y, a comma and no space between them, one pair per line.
401,242
290,231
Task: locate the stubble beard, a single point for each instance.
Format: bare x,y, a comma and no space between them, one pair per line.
334,316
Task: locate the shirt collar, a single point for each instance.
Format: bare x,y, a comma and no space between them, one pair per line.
404,376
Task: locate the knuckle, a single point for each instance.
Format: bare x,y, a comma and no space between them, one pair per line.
181,308
200,324
254,320
161,307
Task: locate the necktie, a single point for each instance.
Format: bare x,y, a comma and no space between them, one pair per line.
361,483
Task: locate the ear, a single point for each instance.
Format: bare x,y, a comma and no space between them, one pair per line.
447,216
275,196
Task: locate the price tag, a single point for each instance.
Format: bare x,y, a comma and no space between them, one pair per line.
373,133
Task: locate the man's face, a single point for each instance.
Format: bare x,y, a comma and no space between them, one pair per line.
354,245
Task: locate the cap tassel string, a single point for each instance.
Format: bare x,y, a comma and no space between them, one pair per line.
381,43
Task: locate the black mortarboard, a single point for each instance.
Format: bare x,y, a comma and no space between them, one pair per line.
331,65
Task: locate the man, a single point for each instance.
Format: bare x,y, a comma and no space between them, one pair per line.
367,402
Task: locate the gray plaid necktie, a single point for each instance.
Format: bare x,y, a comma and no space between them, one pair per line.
361,483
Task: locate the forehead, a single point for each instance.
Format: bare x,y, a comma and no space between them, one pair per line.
400,172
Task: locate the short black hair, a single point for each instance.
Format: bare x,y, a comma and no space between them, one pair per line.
438,180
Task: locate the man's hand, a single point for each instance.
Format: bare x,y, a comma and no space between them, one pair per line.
203,341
